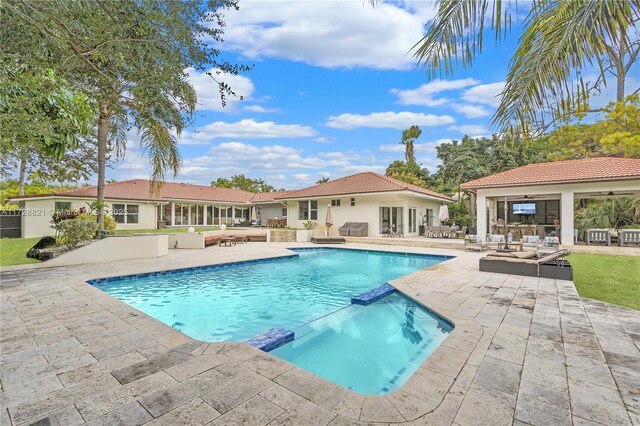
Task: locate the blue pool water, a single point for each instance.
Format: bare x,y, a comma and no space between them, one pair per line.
237,301
371,349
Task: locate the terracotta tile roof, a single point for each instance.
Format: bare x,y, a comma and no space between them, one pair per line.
138,189
587,169
266,197
361,183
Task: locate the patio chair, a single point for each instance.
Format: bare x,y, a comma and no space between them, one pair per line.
530,242
474,242
628,236
462,232
597,236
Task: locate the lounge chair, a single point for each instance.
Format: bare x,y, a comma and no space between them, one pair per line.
322,236
494,240
529,264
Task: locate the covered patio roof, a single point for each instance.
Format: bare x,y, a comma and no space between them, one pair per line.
561,180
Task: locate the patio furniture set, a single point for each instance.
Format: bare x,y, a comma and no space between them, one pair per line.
445,231
276,223
229,240
611,236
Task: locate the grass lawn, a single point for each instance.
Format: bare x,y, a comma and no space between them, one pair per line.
13,251
612,279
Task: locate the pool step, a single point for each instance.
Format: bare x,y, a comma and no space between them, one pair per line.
371,296
271,339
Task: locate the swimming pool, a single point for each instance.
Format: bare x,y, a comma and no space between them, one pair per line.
236,301
371,349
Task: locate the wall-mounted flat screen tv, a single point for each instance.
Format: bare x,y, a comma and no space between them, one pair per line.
523,208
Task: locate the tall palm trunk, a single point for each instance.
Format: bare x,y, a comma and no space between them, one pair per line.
23,172
103,133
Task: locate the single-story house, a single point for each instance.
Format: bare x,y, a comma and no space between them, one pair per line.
380,201
542,196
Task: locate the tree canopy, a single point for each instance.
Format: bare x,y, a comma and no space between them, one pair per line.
244,183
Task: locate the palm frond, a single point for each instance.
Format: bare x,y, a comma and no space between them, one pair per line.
161,146
560,40
455,35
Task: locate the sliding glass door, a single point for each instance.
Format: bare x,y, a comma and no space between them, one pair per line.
391,220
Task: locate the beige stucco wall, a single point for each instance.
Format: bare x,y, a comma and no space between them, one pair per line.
115,248
367,209
37,214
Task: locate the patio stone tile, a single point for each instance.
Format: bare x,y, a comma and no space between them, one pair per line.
68,416
102,403
315,389
597,403
263,363
16,392
152,365
544,331
582,369
508,347
500,375
350,406
131,415
304,413
195,366
624,366
408,405
547,349
619,343
170,397
236,391
376,409
481,348
579,421
257,411
541,406
630,394
429,386
18,345
574,349
280,396
193,413
447,361
486,407
543,372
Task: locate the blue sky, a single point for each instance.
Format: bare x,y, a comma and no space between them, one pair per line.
332,89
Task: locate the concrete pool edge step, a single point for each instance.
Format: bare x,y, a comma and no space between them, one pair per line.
271,339
373,295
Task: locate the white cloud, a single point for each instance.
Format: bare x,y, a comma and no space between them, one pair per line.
487,94
472,111
245,129
323,139
338,34
470,129
424,95
260,109
389,119
208,91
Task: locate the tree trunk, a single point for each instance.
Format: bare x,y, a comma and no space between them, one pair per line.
103,132
23,172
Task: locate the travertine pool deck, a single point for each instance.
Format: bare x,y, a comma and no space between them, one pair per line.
524,351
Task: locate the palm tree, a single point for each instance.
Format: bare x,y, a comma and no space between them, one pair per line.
408,138
323,180
561,39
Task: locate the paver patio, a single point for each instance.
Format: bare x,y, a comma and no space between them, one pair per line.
524,351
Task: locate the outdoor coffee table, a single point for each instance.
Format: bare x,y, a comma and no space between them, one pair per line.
228,241
512,245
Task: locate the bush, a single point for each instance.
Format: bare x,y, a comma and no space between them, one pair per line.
110,223
74,231
459,214
310,224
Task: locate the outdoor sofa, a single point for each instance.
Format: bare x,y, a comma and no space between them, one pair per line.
529,264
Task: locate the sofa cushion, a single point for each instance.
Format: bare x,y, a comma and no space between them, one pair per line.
525,254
